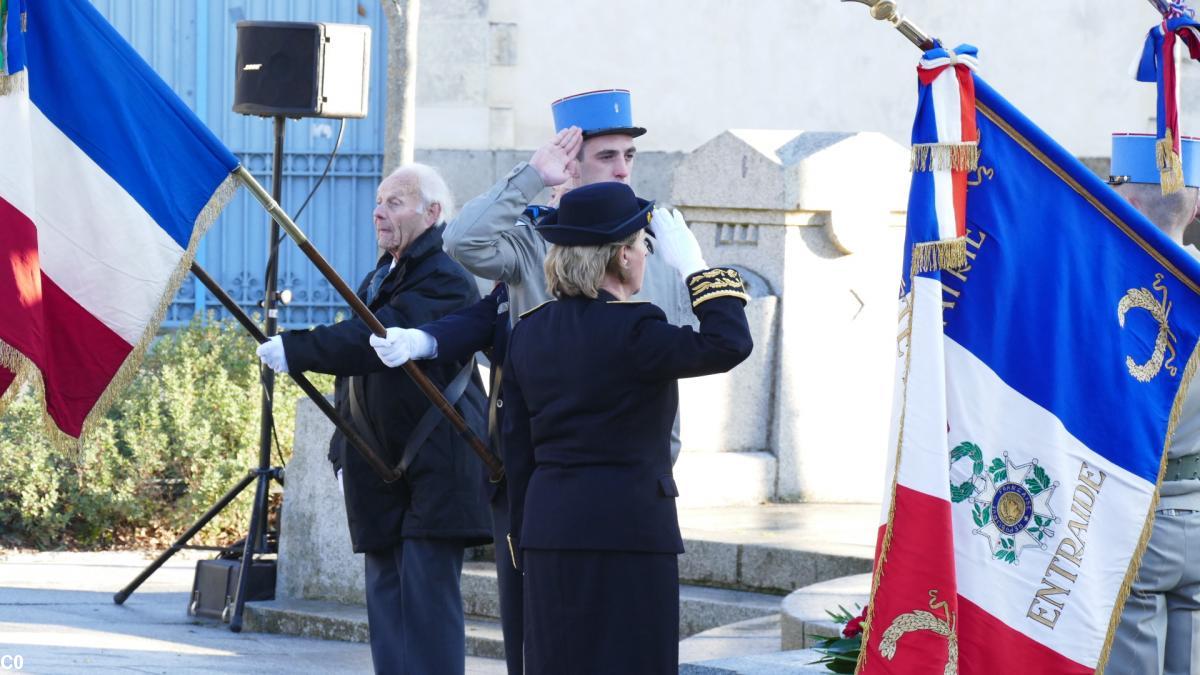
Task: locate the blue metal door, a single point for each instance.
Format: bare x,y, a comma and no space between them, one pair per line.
191,44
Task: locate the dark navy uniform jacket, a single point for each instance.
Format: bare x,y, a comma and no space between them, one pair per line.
590,396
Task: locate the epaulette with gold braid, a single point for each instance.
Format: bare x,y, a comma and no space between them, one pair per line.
715,283
534,309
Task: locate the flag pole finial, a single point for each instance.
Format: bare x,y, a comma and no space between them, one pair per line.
885,10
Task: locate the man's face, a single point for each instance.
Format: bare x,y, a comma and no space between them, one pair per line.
399,218
606,158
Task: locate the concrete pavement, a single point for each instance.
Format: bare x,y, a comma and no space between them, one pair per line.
57,616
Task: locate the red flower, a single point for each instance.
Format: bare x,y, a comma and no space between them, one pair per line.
854,626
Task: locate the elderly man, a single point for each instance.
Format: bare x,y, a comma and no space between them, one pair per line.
1160,625
494,237
413,531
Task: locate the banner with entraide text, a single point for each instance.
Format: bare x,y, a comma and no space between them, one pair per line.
1043,353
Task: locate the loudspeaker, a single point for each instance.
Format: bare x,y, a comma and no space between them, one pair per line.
301,69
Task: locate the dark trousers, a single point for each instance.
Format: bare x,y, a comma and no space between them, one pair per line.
511,586
601,613
414,608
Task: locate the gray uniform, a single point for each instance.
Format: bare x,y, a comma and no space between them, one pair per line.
493,239
1160,626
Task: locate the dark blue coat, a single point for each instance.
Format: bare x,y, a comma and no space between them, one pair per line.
482,327
590,396
439,496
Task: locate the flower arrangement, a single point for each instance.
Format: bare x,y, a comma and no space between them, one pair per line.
840,653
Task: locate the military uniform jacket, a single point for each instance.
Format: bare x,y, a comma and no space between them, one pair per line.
439,495
590,395
494,238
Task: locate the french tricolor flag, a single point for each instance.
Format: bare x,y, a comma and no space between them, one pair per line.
1038,386
107,182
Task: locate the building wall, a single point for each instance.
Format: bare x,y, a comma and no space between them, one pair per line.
698,67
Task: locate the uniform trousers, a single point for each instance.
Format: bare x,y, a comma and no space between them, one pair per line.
1160,625
511,589
414,608
601,613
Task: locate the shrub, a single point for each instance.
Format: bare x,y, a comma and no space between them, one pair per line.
185,431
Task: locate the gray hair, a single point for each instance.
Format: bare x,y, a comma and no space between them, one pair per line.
579,270
433,187
1167,212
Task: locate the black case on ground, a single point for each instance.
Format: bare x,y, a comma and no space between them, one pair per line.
216,584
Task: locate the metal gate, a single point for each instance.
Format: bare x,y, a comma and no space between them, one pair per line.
191,44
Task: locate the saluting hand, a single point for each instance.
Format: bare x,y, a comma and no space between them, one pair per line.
555,161
675,242
403,345
272,353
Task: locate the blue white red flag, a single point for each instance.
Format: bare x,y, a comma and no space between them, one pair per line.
107,182
1037,388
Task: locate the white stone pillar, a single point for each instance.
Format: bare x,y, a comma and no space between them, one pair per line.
819,216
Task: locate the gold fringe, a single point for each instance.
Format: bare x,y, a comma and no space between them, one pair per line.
16,363
945,156
1170,166
220,198
932,256
1148,526
13,84
886,543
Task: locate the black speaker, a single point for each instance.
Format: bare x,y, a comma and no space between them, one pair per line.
301,69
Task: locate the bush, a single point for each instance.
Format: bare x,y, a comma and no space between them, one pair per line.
185,431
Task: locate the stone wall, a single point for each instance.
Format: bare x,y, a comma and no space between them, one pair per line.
819,217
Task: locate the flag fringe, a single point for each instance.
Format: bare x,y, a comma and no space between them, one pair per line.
219,200
886,543
1148,527
945,156
1170,166
16,363
13,84
933,256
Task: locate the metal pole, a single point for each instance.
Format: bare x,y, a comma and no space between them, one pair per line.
885,10
255,538
183,539
352,436
495,470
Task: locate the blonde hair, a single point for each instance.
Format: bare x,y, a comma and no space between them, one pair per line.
579,270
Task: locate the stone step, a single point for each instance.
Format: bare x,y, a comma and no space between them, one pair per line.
763,568
336,621
700,608
798,662
744,638
805,610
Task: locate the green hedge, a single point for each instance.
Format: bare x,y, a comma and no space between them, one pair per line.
185,431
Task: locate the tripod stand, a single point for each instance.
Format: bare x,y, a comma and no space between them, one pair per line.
263,473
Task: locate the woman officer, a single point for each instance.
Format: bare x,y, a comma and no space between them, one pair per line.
591,394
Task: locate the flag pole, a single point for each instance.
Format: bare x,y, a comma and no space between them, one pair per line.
381,468
885,10
495,470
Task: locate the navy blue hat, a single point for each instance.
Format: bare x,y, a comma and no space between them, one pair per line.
1134,159
597,113
596,214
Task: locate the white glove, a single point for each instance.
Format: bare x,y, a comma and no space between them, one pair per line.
402,345
271,353
676,243
341,487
